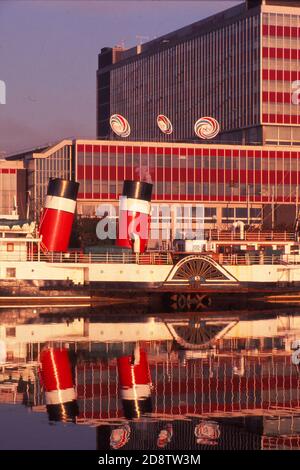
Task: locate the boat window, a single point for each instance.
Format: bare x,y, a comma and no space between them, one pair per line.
10,272
10,331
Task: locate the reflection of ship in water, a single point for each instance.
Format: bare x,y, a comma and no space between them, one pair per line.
239,390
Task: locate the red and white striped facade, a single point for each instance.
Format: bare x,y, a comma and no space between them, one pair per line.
236,66
12,192
280,59
196,387
233,182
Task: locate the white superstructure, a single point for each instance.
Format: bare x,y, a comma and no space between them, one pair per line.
22,260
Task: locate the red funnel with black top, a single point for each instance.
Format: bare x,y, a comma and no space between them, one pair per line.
135,215
58,214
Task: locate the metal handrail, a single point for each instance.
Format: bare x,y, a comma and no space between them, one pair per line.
153,258
260,258
150,258
227,235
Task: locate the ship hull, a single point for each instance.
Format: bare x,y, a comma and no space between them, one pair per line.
153,298
197,278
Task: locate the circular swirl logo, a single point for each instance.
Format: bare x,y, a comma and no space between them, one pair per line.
207,128
119,437
119,125
207,433
164,124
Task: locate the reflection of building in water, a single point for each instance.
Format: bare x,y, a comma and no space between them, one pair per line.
207,387
25,341
246,382
235,434
281,432
9,393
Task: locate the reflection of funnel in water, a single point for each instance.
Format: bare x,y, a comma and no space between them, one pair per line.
56,377
135,382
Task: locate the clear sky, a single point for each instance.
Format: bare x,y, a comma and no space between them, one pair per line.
48,58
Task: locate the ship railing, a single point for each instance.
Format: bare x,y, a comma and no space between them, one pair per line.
152,258
251,235
260,258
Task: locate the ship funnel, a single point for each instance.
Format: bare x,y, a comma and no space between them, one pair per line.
58,214
56,377
135,382
134,215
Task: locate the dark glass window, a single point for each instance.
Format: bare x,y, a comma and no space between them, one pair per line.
241,213
255,212
227,212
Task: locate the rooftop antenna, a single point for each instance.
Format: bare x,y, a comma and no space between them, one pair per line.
140,40
28,204
121,44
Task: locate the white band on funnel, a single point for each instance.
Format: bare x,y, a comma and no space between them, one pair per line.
60,204
138,391
60,396
135,205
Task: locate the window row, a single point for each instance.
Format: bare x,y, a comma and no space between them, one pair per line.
178,190
213,162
